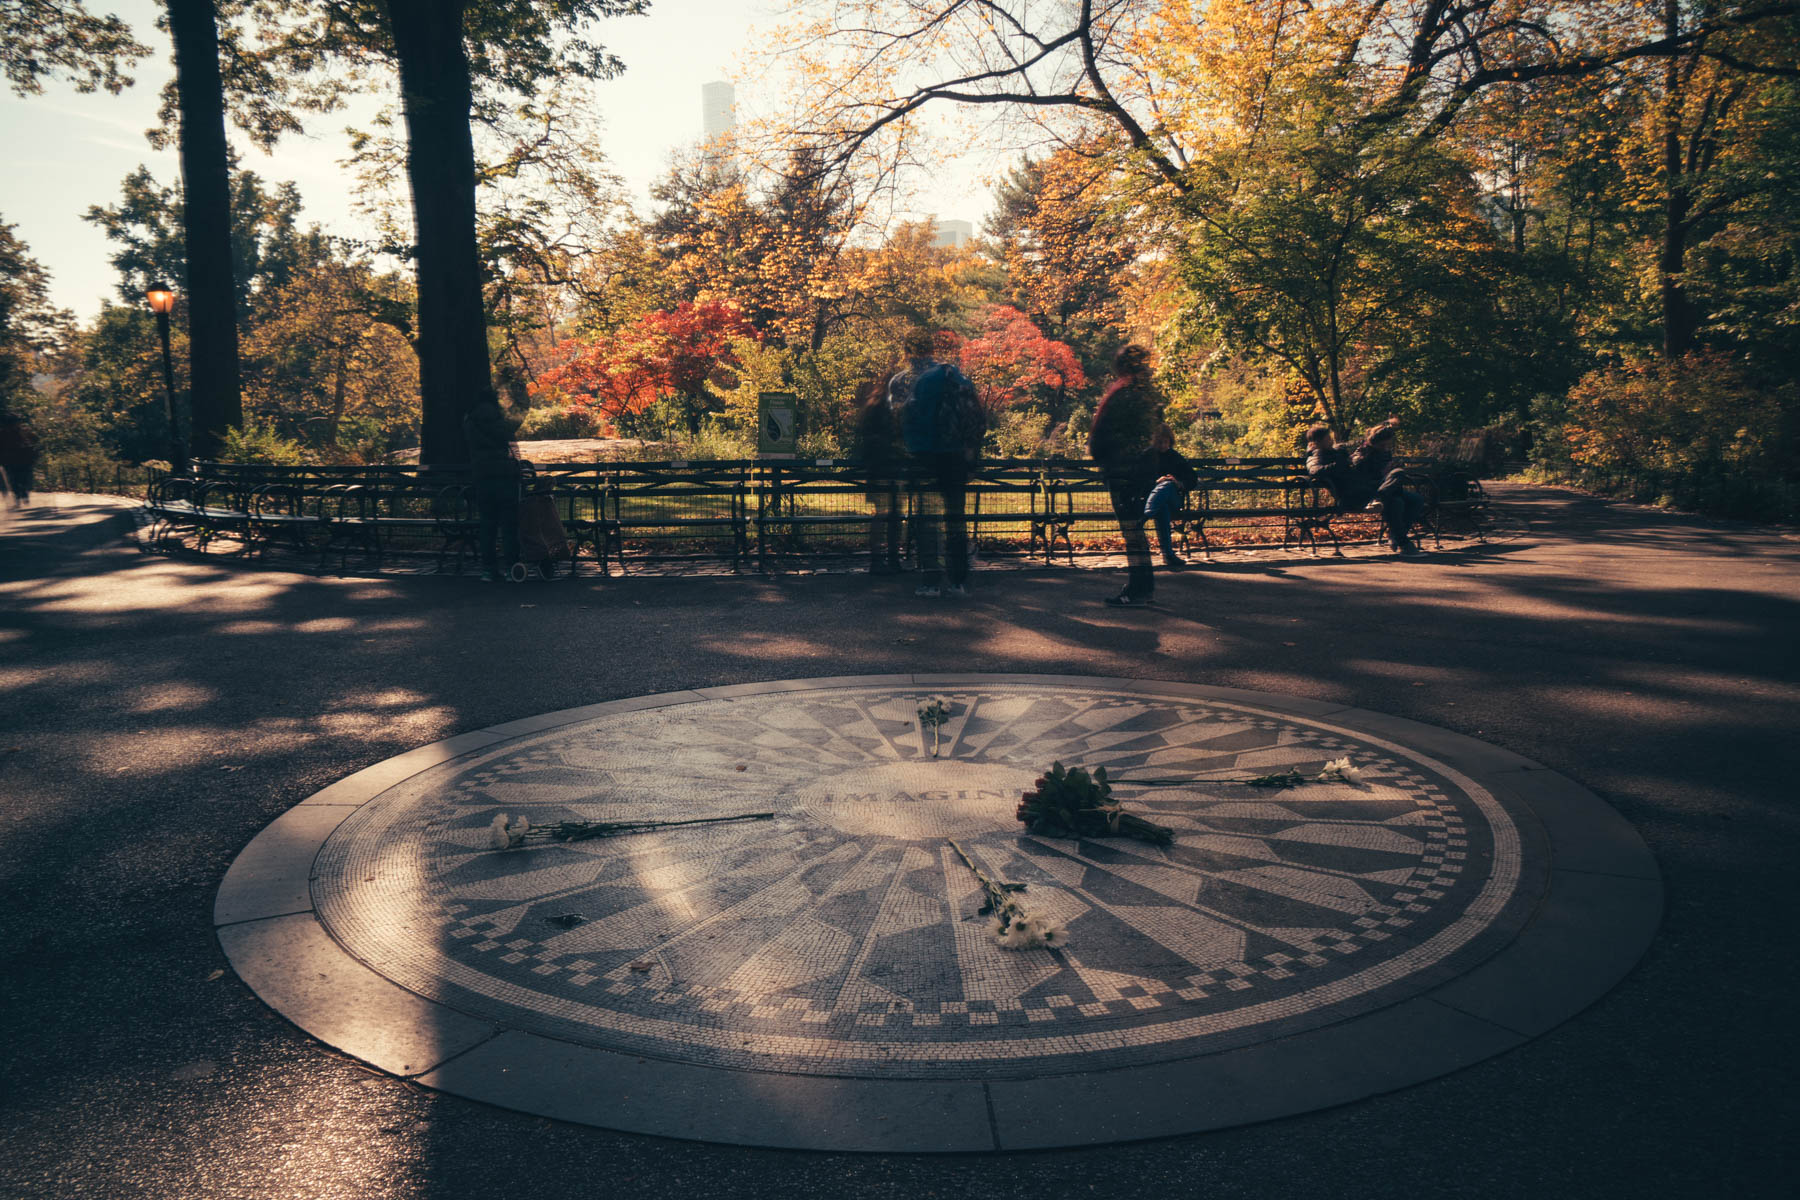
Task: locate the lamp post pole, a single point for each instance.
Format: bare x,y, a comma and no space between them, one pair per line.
162,302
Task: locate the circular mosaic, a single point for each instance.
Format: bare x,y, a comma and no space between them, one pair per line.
843,937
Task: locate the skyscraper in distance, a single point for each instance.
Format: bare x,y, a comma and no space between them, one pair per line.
951,233
718,109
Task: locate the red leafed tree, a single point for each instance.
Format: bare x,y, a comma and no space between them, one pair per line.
658,355
1012,361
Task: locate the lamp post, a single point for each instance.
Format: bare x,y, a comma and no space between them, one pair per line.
162,302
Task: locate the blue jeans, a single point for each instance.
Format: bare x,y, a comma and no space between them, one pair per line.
1164,502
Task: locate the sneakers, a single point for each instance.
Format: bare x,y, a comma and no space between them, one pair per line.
927,589
1125,600
956,591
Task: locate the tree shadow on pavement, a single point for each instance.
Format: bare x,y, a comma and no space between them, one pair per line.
158,713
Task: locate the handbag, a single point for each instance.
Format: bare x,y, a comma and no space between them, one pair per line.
541,533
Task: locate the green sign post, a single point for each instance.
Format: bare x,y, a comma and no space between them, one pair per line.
775,433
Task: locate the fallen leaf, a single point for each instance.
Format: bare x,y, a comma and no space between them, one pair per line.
742,767
641,966
215,975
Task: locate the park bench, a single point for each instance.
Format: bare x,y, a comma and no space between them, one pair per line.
769,511
703,504
1250,494
806,506
803,505
585,504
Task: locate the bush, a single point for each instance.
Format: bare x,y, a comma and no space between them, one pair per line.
552,423
1019,433
92,471
714,442
256,442
1695,433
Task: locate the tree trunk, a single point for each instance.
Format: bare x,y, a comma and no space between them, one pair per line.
213,399
440,165
1680,320
340,391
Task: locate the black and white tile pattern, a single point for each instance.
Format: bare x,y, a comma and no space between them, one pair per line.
842,937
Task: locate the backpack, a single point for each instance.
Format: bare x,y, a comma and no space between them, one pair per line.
943,415
919,415
962,422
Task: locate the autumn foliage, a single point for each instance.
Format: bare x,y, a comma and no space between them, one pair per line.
1011,361
659,354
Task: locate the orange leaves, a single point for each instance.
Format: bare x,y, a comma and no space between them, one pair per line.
657,354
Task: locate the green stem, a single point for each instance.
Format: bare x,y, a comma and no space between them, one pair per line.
584,830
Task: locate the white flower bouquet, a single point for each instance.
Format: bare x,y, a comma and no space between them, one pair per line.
1012,926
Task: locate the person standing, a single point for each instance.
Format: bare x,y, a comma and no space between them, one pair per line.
877,451
18,457
1126,426
941,427
494,463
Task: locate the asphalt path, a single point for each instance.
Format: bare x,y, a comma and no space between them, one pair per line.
155,713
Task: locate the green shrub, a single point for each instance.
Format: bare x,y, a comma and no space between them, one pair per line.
715,441
256,442
554,423
1019,433
1696,433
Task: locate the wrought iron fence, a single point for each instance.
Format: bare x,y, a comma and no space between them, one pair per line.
751,514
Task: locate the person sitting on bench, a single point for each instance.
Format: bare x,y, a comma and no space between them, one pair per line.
1356,479
1401,507
1175,479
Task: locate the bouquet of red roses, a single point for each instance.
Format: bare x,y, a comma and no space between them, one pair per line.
1070,803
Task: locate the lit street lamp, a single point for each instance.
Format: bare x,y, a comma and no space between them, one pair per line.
162,303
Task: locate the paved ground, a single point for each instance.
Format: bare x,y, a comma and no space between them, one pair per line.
155,714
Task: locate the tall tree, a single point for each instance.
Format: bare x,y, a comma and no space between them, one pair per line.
456,60
1067,248
29,325
61,38
214,400
435,93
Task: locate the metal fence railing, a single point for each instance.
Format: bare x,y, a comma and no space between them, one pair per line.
752,514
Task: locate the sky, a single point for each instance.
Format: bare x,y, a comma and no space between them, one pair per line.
63,152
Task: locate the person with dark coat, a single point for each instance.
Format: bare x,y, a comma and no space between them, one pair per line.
1364,476
1174,480
1328,464
494,464
1121,440
877,449
937,416
18,457
1401,507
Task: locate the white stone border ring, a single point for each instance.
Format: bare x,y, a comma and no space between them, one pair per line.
793,946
